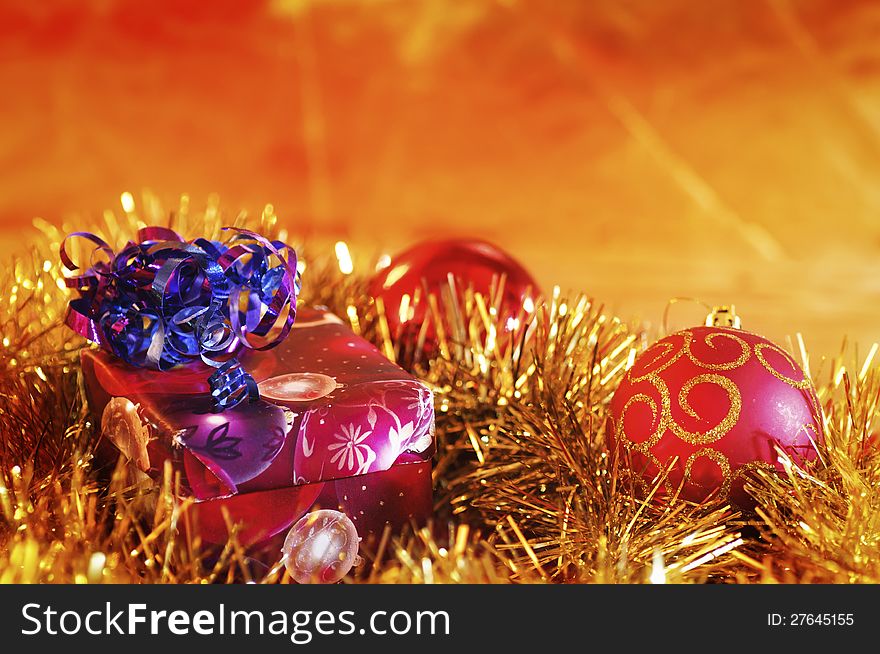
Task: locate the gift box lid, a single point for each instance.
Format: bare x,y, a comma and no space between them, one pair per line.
332,406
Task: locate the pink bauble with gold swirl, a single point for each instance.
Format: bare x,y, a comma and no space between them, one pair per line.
720,399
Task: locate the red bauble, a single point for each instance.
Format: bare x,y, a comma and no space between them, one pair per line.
473,263
719,399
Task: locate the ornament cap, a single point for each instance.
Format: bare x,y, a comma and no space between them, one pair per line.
723,316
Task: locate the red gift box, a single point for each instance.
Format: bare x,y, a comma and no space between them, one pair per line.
337,426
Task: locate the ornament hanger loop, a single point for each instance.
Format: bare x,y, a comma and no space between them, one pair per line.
676,300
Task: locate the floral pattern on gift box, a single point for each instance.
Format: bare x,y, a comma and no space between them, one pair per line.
364,428
350,449
364,444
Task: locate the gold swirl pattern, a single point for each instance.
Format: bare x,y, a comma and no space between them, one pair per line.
663,423
720,460
719,430
709,340
667,348
672,349
802,384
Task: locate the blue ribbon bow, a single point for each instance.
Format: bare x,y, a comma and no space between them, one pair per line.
164,301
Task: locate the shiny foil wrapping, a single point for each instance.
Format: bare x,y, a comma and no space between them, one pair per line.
337,426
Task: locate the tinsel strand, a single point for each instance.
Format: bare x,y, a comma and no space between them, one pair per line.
526,488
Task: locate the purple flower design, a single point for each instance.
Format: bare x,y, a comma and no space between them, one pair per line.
220,445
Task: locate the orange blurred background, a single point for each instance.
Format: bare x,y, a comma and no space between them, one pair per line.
727,150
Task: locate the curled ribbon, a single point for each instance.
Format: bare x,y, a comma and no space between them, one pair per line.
164,301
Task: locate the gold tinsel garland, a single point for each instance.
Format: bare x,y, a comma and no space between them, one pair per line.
526,489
